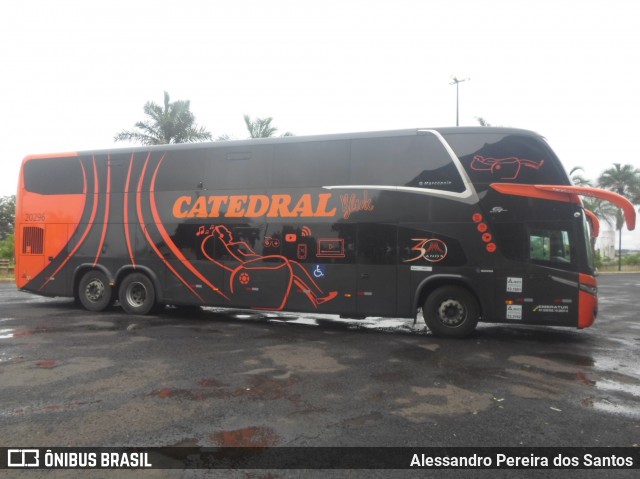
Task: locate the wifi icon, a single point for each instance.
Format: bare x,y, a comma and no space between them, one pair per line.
306,231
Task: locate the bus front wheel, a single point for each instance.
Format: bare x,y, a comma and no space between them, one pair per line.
94,291
137,294
451,311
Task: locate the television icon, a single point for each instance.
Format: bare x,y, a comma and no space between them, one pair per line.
330,248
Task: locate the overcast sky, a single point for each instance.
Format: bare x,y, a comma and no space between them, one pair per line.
74,73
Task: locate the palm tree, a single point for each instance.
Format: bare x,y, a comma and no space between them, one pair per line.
624,180
601,208
577,178
482,121
261,127
173,123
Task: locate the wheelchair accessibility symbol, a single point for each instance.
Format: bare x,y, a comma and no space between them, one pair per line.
319,271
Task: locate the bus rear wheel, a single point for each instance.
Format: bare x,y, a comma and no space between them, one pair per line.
137,295
451,311
94,291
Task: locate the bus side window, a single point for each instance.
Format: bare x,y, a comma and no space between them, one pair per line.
539,247
311,164
550,245
413,161
377,244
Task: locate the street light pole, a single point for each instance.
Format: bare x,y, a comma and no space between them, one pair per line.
456,81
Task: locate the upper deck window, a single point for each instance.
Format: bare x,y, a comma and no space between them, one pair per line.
54,176
418,161
308,164
222,167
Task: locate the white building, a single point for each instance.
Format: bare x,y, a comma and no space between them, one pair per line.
606,244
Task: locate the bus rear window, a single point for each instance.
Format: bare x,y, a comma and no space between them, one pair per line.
54,176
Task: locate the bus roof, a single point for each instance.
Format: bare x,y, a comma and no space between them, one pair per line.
294,139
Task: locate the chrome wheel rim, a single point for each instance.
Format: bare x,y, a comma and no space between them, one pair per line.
136,295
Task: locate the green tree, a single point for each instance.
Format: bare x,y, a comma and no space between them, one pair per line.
7,247
171,123
624,180
261,127
601,208
7,216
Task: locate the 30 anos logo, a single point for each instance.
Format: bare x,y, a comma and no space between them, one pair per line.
23,458
433,250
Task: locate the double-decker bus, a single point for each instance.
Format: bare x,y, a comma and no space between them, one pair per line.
463,224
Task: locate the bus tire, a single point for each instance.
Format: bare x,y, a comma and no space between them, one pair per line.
94,291
451,311
137,294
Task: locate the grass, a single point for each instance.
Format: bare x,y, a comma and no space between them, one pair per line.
6,275
626,268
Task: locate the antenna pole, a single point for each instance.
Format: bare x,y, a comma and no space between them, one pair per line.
456,81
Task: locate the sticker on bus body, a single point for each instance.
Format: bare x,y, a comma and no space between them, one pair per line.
421,268
551,308
514,311
514,285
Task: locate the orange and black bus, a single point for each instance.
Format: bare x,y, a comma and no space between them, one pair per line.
463,224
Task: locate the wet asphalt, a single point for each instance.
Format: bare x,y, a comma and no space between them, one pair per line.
222,378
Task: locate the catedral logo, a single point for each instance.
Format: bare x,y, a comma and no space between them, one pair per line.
254,206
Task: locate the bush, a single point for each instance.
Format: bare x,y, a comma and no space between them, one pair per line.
631,260
6,248
597,259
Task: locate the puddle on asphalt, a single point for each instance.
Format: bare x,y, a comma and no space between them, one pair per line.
329,321
577,359
254,436
615,386
619,409
620,380
5,358
617,383
6,333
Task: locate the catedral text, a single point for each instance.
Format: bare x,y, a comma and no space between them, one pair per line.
253,206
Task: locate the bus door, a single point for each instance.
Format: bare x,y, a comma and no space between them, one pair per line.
376,292
545,291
